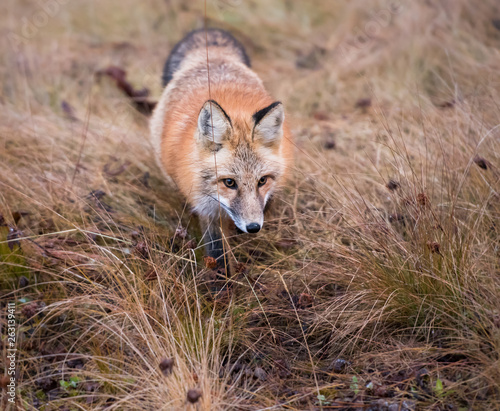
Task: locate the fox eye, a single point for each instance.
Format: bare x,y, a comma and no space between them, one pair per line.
230,183
262,181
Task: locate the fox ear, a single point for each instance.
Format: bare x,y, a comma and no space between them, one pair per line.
214,125
269,124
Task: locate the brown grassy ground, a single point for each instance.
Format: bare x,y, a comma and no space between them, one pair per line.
376,283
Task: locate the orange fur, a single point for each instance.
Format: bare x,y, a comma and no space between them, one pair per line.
179,152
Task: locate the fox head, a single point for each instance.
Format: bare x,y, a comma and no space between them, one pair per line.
241,163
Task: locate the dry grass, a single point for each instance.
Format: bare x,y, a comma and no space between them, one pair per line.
376,283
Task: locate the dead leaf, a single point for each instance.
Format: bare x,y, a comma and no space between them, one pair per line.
142,250
393,185
447,104
260,374
321,116
4,381
210,262
68,111
363,103
54,352
329,143
151,275
339,365
286,243
145,179
193,395
166,366
17,215
240,268
396,218
97,194
311,60
481,162
12,238
91,386
305,300
283,368
23,282
422,199
434,247
138,97
117,171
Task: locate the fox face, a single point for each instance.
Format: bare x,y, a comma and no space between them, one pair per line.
240,163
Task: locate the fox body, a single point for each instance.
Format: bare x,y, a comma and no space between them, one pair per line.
224,141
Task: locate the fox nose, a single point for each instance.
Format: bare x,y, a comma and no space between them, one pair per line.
253,228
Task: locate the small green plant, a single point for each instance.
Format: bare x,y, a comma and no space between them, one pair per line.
438,388
354,385
72,383
322,400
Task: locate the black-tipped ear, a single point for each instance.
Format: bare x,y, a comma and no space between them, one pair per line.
214,125
268,124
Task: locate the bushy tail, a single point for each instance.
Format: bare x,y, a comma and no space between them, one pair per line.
200,39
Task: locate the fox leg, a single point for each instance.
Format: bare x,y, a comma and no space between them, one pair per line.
214,242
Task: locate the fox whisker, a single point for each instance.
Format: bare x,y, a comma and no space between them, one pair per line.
225,207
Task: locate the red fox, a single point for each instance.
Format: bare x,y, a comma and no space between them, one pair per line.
223,141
